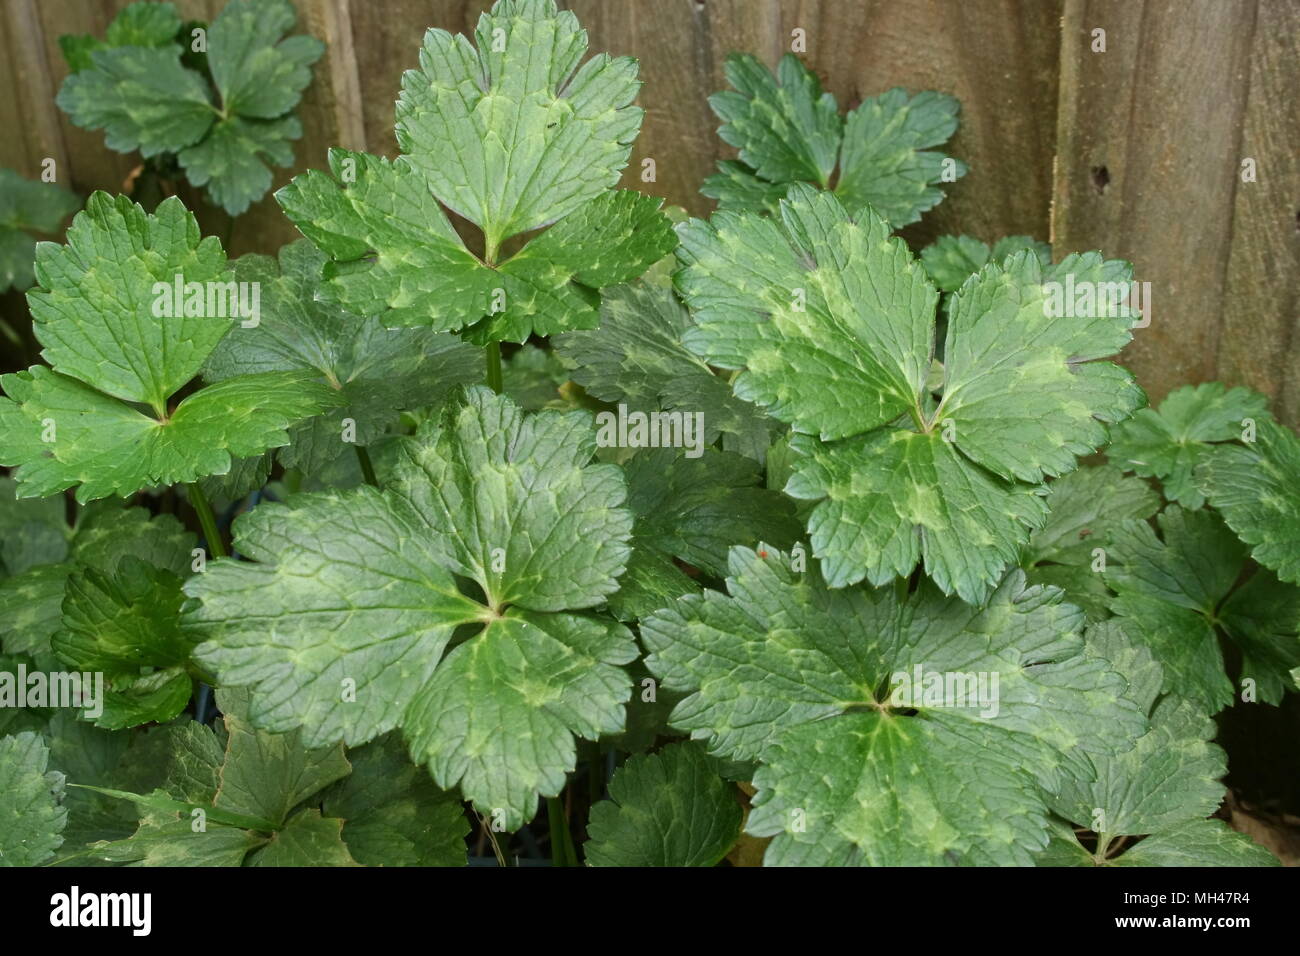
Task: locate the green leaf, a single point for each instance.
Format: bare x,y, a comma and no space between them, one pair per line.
821,686
1171,776
114,449
260,796
1084,508
784,126
31,602
847,334
160,801
375,371
32,531
245,475
259,77
306,840
343,588
231,161
735,186
900,497
1254,488
257,71
1171,594
697,508
532,377
650,582
394,815
31,815
30,609
394,252
886,162
244,786
86,754
485,477
267,775
1004,343
168,838
514,135
142,97
118,622
144,24
787,130
637,358
125,624
1262,617
1083,587
1196,843
950,260
150,698
547,285
1199,843
137,87
106,532
665,809
27,206
1168,443
832,323
362,594
95,314
500,713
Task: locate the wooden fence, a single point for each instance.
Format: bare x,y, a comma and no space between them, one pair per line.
1137,150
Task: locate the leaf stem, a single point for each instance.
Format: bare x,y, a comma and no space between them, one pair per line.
207,519
562,851
1103,844
367,468
492,838
493,353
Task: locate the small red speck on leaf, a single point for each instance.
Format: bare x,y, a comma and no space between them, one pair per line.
762,554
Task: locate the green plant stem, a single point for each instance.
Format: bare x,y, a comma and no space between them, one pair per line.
367,468
562,851
1103,844
496,846
493,352
207,519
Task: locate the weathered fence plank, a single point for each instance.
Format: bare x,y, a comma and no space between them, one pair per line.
1259,344
34,125
1150,146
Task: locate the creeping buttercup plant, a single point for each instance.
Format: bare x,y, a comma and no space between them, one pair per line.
762,533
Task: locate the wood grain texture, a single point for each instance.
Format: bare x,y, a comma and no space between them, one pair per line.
1149,139
26,72
1259,339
